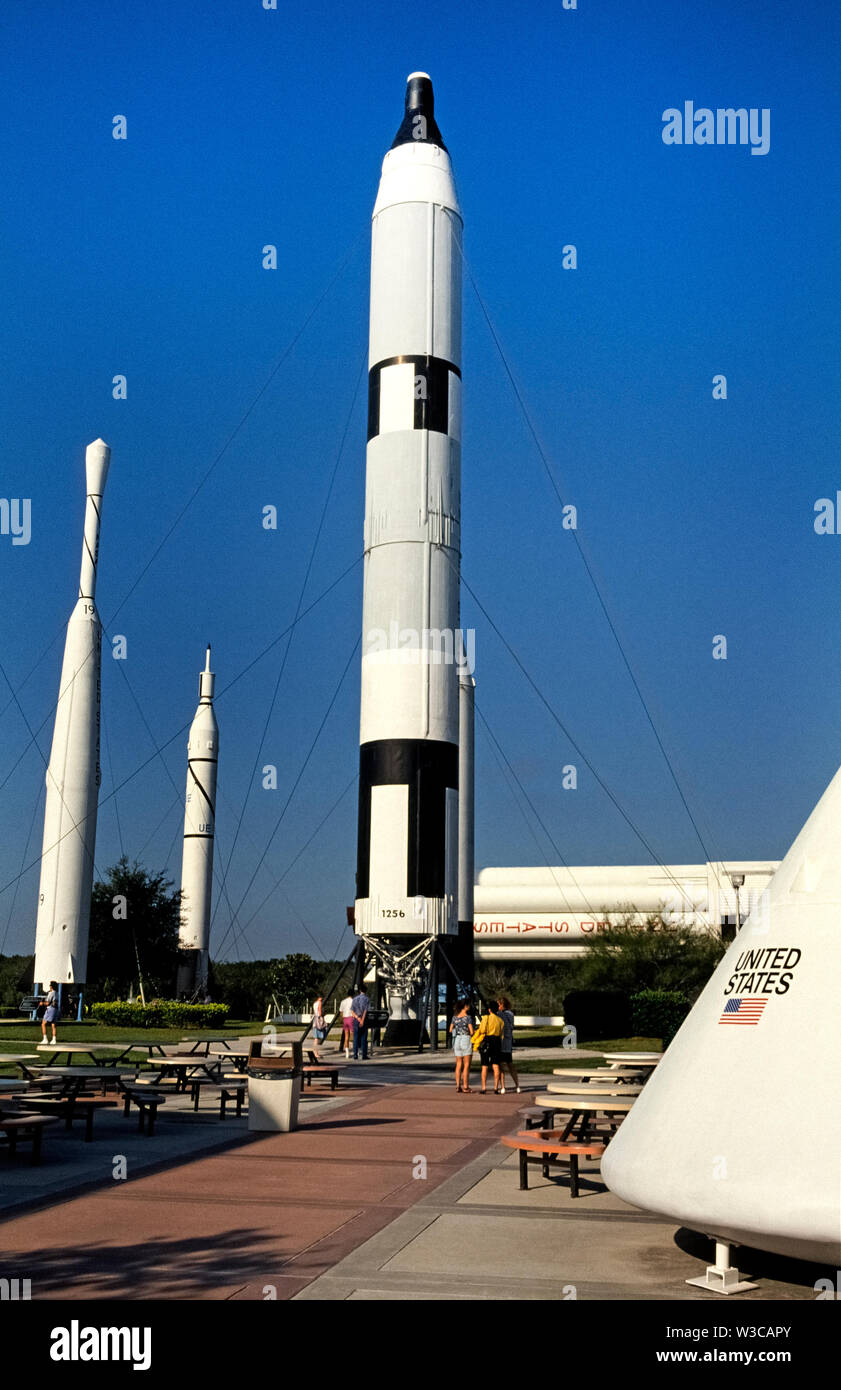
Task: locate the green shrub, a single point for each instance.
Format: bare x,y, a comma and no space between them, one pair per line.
658,1013
162,1013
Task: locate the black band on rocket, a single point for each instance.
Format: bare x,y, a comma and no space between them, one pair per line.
416,397
427,767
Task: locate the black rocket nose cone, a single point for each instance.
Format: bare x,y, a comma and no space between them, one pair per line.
419,125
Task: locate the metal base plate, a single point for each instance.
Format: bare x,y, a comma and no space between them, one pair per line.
722,1281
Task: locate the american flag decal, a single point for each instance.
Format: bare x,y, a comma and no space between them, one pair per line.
743,1010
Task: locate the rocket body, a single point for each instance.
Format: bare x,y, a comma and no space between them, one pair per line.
73,774
409,728
199,823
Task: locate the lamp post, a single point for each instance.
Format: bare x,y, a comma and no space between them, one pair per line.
738,881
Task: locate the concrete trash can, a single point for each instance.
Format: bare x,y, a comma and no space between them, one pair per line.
273,1102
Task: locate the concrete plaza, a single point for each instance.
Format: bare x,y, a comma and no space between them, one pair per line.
394,1187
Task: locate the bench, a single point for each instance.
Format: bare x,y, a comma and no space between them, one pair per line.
537,1116
147,1102
230,1089
316,1069
19,1128
542,1147
67,1108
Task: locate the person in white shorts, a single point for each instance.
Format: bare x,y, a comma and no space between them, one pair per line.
461,1030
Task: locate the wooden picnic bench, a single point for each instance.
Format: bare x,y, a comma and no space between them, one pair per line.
67,1108
537,1116
147,1102
231,1088
21,1129
546,1146
316,1068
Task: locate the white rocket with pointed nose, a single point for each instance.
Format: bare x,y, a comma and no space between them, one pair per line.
73,773
409,735
199,821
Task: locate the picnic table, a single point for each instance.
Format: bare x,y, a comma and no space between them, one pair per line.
594,1089
73,1078
613,1076
583,1112
207,1039
184,1067
637,1059
85,1049
239,1059
140,1045
13,1083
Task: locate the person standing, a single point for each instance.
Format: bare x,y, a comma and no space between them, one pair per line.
319,1024
489,1034
461,1029
506,1049
359,1013
50,1012
346,1011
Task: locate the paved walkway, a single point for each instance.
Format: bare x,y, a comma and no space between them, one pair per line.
274,1211
387,1191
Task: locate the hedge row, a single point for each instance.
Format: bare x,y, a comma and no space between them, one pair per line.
610,1013
658,1013
163,1013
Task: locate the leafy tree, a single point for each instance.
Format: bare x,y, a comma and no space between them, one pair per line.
298,980
15,979
133,915
533,989
654,954
248,985
245,985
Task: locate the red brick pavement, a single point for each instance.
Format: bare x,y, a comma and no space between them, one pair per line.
273,1213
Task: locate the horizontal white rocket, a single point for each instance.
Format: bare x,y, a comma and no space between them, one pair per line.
199,825
409,734
73,773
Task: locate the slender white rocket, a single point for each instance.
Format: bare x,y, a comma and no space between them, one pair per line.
409,734
199,821
73,773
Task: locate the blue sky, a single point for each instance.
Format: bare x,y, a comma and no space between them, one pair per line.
143,257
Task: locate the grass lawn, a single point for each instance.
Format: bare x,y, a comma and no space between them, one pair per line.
22,1037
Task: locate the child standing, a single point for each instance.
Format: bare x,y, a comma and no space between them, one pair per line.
51,1012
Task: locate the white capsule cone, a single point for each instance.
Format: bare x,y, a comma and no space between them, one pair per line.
738,1133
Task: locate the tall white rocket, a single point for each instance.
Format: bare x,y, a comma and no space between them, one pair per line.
409,735
199,821
73,774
